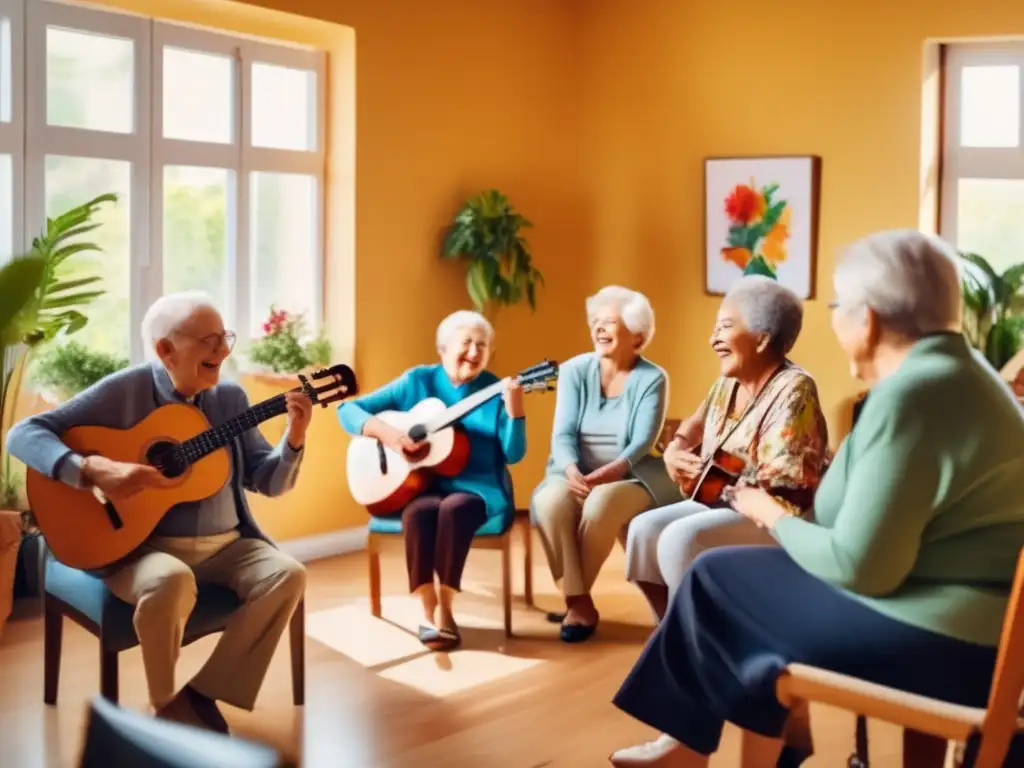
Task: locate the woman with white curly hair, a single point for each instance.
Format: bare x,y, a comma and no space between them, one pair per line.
763,410
609,414
439,525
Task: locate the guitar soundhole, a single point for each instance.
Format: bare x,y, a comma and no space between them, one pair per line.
167,458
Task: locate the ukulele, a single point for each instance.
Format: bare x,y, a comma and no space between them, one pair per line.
722,470
385,481
85,530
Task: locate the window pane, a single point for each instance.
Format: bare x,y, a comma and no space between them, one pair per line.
195,231
284,108
89,81
6,208
198,96
70,182
286,264
989,219
990,106
6,73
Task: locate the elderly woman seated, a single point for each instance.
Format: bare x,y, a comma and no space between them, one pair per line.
903,577
764,411
608,415
439,525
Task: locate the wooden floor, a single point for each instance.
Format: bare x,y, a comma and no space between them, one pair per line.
375,698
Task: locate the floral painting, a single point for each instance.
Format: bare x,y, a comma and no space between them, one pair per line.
761,217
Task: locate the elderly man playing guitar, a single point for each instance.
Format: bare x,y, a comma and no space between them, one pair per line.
211,540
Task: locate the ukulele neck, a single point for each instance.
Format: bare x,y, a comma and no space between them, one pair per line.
209,441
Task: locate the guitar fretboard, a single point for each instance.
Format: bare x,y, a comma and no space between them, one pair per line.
209,441
461,408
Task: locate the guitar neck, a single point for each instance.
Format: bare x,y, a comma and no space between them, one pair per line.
209,441
461,408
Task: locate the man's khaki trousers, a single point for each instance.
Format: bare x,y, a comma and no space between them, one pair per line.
161,581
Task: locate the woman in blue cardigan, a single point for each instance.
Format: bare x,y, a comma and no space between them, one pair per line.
440,524
609,413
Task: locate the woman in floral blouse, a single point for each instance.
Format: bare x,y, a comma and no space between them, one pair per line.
764,411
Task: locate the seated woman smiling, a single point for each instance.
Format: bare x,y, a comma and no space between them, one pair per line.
609,413
902,577
763,410
439,525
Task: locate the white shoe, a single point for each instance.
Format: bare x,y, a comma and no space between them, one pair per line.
654,754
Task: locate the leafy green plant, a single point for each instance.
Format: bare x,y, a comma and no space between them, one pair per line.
53,308
69,368
993,308
486,233
283,348
20,278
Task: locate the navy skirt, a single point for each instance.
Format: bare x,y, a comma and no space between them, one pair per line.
743,613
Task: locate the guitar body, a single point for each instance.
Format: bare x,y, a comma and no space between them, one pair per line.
82,530
722,471
385,481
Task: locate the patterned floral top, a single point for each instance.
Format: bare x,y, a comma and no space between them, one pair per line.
783,440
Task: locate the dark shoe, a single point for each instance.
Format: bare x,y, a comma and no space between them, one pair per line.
556,618
192,708
576,633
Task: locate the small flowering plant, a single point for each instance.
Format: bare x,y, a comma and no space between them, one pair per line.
758,228
285,348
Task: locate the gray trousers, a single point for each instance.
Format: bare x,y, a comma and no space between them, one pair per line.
662,543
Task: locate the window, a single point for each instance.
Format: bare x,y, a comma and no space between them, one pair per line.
214,145
982,185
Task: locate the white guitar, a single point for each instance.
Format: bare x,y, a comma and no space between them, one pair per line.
385,481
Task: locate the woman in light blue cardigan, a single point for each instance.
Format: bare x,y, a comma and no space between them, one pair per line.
609,413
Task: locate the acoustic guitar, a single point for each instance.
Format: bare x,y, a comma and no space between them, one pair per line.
721,471
85,530
385,481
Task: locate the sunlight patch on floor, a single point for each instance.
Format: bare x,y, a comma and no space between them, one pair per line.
441,675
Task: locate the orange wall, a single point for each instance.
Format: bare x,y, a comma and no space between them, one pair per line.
669,83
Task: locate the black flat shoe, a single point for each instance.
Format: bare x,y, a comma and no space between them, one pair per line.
556,618
576,633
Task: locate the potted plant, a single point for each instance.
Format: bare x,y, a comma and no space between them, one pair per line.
486,233
63,370
993,308
53,308
286,347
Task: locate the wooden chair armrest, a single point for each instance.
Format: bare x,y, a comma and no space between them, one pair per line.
920,713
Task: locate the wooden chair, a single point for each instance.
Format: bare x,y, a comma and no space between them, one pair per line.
990,729
383,530
85,599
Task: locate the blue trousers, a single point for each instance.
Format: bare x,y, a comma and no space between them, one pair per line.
743,613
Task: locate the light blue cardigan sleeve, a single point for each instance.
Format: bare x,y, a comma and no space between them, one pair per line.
564,430
354,414
648,419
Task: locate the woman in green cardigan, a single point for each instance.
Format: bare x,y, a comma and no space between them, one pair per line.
902,578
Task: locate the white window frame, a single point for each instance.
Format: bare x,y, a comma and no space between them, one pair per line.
12,134
973,162
149,152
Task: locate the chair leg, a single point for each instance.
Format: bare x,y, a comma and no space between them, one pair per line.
921,750
297,643
108,674
506,582
373,555
528,562
53,634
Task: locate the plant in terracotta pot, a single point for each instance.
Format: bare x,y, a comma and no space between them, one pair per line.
286,347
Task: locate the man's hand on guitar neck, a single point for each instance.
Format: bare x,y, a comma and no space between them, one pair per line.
118,479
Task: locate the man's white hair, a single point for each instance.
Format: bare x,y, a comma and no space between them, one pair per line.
632,306
909,279
167,314
768,307
463,318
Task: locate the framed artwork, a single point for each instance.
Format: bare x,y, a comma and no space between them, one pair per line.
761,215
